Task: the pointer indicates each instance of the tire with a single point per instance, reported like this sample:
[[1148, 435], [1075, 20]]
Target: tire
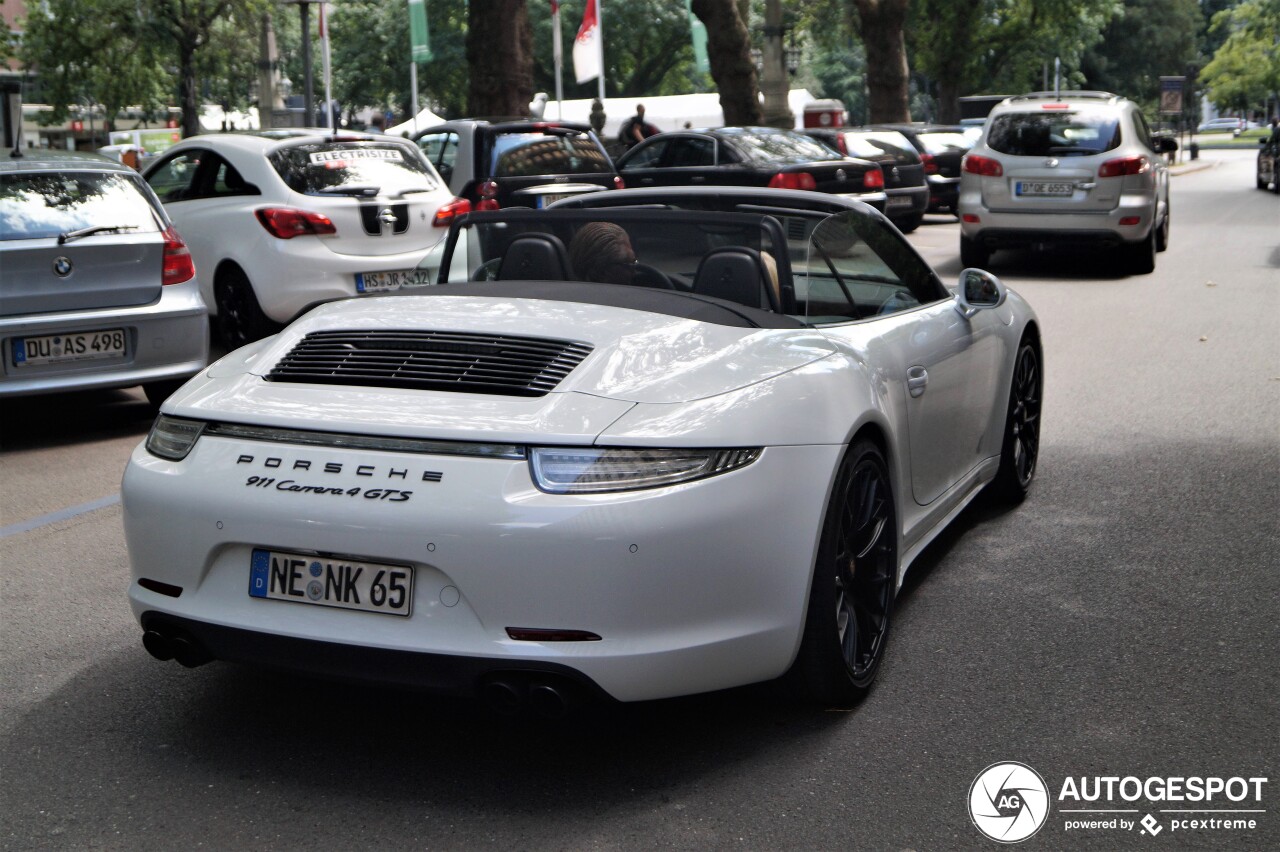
[[973, 254], [158, 392], [240, 317], [1162, 235], [907, 224], [1140, 258], [854, 580], [1020, 449]]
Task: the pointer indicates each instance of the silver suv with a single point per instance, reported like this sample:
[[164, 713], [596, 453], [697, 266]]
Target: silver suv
[[1066, 169]]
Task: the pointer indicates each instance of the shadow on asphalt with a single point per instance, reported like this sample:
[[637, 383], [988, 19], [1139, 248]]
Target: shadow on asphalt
[[80, 417]]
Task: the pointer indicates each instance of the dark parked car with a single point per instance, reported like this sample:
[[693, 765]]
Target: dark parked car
[[1269, 164], [904, 178], [518, 163], [941, 147], [750, 156]]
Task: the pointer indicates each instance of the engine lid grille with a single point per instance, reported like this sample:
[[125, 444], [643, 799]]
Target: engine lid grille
[[460, 362]]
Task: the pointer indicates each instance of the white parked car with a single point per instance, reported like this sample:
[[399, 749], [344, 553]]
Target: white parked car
[[713, 471], [282, 221], [1066, 169]]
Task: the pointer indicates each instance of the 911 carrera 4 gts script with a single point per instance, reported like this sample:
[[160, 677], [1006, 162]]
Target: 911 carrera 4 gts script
[[391, 495]]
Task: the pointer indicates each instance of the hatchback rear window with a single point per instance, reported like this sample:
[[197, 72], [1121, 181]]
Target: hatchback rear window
[[38, 205], [1056, 134], [352, 168], [551, 152], [769, 149], [945, 142]]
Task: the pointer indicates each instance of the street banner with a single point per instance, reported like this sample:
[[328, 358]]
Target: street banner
[[557, 43], [698, 33], [1171, 95], [588, 47], [419, 36]]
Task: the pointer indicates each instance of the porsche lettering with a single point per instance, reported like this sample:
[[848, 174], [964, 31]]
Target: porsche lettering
[[366, 470]]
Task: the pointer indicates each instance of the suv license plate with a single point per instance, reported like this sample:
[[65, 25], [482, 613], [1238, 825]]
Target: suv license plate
[[331, 581], [377, 282], [1030, 187], [84, 346]]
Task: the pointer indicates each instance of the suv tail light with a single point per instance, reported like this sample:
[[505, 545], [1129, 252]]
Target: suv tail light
[[488, 192], [1124, 166], [450, 211], [873, 179], [177, 266], [618, 182], [793, 180], [285, 223], [985, 166], [930, 164]]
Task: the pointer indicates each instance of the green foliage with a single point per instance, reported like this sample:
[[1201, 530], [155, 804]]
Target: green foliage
[[1245, 70], [1148, 39], [92, 52]]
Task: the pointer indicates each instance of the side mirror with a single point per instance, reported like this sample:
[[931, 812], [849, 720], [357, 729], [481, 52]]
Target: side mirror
[[979, 290]]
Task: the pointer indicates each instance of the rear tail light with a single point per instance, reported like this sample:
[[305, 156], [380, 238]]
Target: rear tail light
[[489, 189], [448, 212], [618, 182], [873, 179], [930, 164], [793, 180], [1124, 166], [285, 223], [178, 266], [488, 204], [841, 145], [985, 166]]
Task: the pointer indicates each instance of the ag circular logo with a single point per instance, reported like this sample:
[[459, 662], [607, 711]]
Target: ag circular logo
[[1008, 802]]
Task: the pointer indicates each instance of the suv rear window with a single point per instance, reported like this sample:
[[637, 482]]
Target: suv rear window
[[38, 205], [1056, 134], [352, 168], [547, 152]]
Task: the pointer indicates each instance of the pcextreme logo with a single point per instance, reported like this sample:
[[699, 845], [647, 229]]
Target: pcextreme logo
[[1009, 802]]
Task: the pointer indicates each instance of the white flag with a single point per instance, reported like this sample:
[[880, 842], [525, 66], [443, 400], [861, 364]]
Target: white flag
[[586, 47]]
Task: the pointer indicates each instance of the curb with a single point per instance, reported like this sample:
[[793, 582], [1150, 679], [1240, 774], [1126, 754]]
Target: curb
[[1192, 166]]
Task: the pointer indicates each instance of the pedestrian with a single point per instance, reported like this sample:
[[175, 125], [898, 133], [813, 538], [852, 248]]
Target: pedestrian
[[636, 129]]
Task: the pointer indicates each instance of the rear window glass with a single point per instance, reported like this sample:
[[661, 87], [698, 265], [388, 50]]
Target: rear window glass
[[1056, 134], [779, 148], [945, 142], [352, 168], [547, 153], [38, 205], [878, 144]]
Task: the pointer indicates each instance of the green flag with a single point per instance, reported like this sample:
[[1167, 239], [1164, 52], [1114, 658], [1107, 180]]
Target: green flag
[[698, 32], [419, 36]]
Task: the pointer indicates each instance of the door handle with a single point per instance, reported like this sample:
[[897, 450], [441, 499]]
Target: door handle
[[917, 379], [698, 179]]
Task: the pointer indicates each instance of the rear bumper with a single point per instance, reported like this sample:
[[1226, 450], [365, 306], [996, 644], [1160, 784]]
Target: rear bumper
[[167, 340], [906, 202], [944, 193]]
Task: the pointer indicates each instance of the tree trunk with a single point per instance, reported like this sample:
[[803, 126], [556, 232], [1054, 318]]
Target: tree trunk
[[882, 23], [500, 56], [729, 52], [188, 89]]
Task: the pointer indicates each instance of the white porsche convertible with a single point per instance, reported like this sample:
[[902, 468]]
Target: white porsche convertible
[[712, 469]]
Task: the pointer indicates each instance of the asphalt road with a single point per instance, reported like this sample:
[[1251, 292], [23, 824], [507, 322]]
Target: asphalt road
[[1122, 622]]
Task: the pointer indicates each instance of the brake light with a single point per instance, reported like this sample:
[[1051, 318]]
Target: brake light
[[618, 182], [177, 266], [841, 145], [1124, 166], [984, 166], [448, 212], [1055, 106], [285, 223], [793, 180], [873, 179], [488, 204], [488, 189], [930, 164]]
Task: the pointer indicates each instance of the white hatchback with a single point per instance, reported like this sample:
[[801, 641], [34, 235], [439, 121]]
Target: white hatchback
[[280, 222]]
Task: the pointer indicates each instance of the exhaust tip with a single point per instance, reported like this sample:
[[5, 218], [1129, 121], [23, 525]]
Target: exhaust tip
[[503, 697], [549, 701], [188, 653], [158, 645]]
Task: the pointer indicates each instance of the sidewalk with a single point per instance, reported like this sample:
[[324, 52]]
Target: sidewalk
[[1188, 166]]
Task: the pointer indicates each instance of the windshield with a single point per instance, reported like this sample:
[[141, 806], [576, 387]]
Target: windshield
[[1057, 134], [36, 205], [364, 168], [550, 152]]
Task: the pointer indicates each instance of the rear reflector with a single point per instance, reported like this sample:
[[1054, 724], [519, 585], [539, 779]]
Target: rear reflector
[[285, 223], [448, 212], [793, 180], [542, 634], [1130, 220], [985, 166], [178, 266], [970, 218], [1124, 166]]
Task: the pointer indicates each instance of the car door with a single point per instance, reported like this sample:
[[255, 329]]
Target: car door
[[441, 150], [943, 367], [692, 161], [642, 165]]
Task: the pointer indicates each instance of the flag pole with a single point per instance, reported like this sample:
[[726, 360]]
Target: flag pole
[[328, 70], [600, 43], [558, 47]]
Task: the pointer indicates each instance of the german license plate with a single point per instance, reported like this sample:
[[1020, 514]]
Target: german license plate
[[896, 202], [1036, 187], [548, 200], [331, 581], [377, 282], [83, 346]]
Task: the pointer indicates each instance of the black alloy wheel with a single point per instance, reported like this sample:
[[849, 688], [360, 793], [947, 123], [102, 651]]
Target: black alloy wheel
[[851, 597], [240, 318], [1140, 257], [1021, 448], [1162, 236]]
